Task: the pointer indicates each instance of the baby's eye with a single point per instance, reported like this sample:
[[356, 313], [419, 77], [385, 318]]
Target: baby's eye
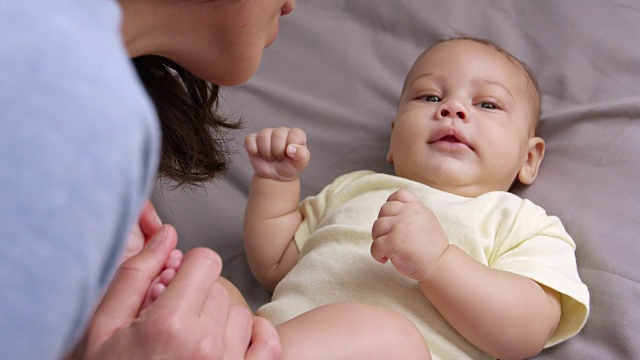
[[487, 105], [431, 98]]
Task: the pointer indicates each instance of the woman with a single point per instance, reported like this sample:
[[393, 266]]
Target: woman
[[80, 145]]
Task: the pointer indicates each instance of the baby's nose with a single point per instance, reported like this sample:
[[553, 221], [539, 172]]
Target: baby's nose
[[460, 113]]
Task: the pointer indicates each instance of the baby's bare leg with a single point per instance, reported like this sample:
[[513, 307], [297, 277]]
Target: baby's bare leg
[[351, 331], [235, 297]]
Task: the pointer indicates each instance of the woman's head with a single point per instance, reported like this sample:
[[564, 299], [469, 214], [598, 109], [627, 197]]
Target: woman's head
[[220, 41], [183, 50]]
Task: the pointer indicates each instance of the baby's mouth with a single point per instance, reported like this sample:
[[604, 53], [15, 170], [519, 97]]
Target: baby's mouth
[[451, 136]]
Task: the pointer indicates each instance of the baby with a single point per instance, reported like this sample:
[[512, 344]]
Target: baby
[[481, 272]]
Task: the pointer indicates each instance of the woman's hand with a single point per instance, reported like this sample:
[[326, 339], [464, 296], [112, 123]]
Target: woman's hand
[[148, 224], [191, 319]]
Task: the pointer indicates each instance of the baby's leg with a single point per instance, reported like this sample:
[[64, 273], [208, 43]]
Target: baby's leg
[[235, 296], [351, 331]]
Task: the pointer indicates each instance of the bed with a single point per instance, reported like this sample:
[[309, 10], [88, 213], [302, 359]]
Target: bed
[[337, 69]]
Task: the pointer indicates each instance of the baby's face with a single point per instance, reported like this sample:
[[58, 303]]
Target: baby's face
[[464, 122]]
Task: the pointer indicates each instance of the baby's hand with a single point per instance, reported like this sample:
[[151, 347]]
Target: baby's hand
[[409, 234], [280, 154]]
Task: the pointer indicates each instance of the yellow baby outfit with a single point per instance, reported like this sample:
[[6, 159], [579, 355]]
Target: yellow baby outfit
[[498, 229]]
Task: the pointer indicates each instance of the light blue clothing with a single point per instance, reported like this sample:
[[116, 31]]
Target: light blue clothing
[[79, 146]]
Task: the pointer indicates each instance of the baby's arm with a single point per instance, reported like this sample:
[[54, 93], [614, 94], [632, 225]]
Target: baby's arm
[[506, 315], [272, 217]]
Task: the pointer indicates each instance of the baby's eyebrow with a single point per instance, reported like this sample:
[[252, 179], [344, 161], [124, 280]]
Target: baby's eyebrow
[[487, 82], [434, 76]]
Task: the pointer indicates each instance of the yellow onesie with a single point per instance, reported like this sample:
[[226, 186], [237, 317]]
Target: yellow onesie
[[498, 229]]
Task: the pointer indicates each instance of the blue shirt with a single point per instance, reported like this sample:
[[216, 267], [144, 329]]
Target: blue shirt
[[79, 146]]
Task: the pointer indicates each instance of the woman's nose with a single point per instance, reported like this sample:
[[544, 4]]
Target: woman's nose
[[452, 109]]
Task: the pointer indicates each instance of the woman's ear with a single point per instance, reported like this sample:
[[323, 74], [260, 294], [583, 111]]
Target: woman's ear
[[389, 155], [535, 152]]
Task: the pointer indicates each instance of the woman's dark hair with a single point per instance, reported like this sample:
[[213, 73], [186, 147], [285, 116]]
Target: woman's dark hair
[[195, 138]]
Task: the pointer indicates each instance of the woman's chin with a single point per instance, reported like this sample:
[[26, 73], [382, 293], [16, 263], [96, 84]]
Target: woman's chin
[[273, 37]]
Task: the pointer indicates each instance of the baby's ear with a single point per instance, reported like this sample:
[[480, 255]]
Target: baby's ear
[[535, 152], [389, 155]]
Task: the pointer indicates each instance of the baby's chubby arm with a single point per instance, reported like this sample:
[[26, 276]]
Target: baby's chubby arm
[[271, 217], [504, 314]]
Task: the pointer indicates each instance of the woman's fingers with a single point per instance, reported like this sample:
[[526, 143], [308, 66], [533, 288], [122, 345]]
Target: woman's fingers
[[192, 283], [149, 220], [265, 343], [238, 332], [127, 291], [192, 317]]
